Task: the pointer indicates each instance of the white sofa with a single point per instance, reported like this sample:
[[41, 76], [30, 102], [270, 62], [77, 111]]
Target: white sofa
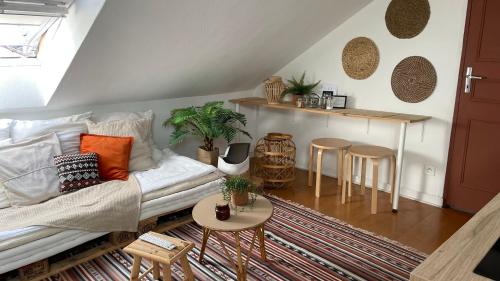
[[176, 183]]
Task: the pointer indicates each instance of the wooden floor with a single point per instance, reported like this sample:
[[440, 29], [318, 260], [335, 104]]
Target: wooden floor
[[418, 225]]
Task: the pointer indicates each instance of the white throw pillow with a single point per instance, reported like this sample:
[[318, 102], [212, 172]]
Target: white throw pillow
[[68, 130], [5, 128], [27, 170], [141, 156], [114, 116]]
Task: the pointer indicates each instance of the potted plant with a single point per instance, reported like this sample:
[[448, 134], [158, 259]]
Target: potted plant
[[299, 88], [207, 122], [237, 189]]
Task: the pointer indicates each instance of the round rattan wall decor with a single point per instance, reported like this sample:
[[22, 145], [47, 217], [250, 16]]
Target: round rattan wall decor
[[407, 18], [360, 58], [413, 79]]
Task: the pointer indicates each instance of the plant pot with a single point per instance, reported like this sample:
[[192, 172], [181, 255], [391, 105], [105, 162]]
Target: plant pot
[[295, 97], [240, 198], [208, 157]]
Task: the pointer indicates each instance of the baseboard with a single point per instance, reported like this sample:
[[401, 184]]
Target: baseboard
[[409, 193]]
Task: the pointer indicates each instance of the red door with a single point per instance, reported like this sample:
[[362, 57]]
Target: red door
[[473, 175]]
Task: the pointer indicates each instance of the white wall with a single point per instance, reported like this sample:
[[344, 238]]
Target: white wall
[[427, 144], [161, 109]]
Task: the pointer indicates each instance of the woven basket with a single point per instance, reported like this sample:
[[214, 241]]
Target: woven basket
[[275, 160], [413, 79], [274, 87], [360, 58], [407, 18]]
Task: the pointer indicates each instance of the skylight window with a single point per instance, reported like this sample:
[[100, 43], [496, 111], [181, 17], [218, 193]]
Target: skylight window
[[20, 36], [23, 24]]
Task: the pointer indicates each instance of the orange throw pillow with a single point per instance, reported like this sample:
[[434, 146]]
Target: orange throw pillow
[[113, 152]]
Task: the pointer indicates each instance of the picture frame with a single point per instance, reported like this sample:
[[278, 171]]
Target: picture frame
[[339, 102], [327, 94]]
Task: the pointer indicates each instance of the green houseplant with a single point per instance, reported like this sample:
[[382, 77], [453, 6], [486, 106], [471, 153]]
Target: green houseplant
[[237, 189], [208, 122], [299, 88]]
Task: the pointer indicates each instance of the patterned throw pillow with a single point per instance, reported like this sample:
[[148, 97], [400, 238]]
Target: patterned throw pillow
[[77, 171]]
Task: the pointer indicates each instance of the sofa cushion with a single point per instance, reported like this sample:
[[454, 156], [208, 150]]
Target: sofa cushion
[[77, 171], [27, 170], [5, 142], [68, 130], [114, 116], [5, 128], [141, 157], [4, 201], [113, 153]]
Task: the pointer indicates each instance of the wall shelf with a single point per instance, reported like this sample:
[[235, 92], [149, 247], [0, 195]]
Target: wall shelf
[[350, 112]]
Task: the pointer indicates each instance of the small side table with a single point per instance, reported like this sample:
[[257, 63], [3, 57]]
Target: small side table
[[140, 249], [253, 218]]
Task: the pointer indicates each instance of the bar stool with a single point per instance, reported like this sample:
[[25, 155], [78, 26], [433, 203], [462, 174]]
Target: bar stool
[[326, 144], [375, 154]]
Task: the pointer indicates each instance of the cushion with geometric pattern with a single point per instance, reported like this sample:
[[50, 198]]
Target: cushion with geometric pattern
[[77, 171]]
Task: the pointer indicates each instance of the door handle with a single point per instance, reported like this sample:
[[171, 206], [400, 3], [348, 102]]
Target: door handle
[[468, 79]]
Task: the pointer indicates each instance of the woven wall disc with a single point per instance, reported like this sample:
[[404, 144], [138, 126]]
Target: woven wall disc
[[360, 58], [413, 79], [407, 18]]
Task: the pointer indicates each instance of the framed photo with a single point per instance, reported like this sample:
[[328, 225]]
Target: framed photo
[[339, 102], [327, 94]]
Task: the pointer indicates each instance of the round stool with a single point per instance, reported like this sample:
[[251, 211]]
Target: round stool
[[375, 154], [326, 144]]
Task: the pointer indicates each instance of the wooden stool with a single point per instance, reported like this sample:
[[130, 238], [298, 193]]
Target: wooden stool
[[326, 144], [158, 255], [374, 153]]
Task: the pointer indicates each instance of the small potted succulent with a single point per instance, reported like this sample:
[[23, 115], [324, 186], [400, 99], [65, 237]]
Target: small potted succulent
[[240, 191], [299, 88]]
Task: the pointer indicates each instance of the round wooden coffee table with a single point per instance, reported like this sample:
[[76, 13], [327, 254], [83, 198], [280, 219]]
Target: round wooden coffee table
[[252, 218]]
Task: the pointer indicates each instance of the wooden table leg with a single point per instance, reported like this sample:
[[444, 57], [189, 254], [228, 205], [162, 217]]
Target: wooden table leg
[[156, 270], [319, 165], [262, 244], [188, 273], [206, 235], [136, 268], [349, 172], [340, 165], [363, 175], [167, 272], [310, 166], [345, 178], [375, 186], [239, 259]]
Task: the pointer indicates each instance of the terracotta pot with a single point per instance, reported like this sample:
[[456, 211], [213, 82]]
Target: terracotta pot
[[208, 157], [295, 97], [240, 198]]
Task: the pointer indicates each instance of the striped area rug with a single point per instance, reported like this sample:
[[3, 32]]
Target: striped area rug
[[301, 244]]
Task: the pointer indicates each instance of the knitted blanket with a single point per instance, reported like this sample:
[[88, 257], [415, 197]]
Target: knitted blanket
[[110, 206]]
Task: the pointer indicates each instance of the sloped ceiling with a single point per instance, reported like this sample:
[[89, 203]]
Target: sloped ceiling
[[142, 50]]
